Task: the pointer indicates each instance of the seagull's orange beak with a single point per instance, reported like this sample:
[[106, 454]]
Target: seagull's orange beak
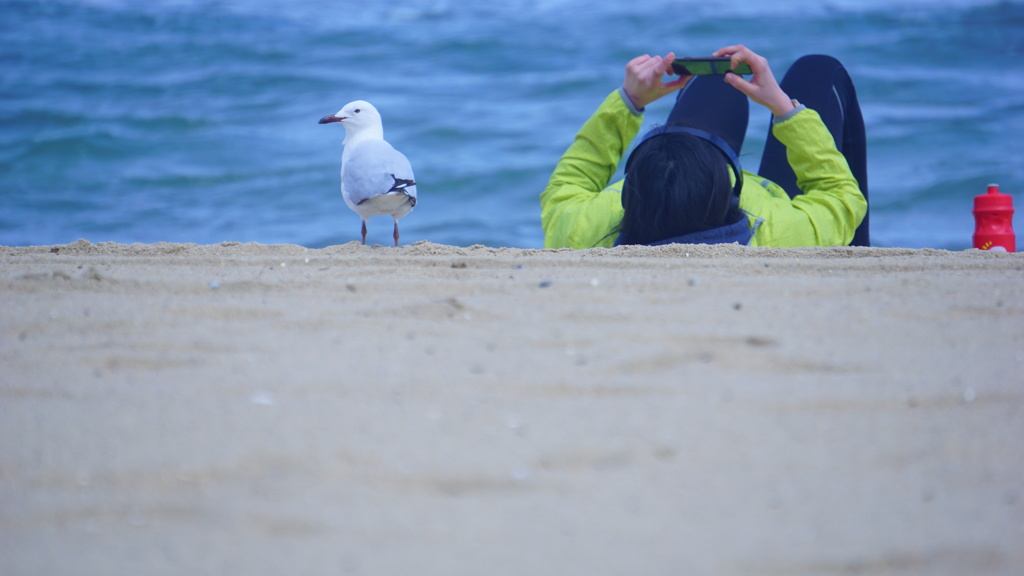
[[329, 119]]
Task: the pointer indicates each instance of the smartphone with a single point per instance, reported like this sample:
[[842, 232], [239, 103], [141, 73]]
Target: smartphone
[[707, 66]]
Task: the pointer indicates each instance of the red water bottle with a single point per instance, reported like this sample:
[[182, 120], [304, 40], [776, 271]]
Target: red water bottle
[[993, 221]]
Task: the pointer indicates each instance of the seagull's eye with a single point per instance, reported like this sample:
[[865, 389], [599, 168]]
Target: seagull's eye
[[358, 110]]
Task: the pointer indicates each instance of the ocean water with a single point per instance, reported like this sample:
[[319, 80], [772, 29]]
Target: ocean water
[[196, 120]]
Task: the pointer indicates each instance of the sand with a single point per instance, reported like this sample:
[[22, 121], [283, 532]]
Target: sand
[[432, 410]]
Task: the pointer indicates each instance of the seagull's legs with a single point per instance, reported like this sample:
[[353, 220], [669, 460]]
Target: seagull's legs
[[396, 232], [364, 232]]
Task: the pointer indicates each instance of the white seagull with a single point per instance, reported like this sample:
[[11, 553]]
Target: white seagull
[[376, 179]]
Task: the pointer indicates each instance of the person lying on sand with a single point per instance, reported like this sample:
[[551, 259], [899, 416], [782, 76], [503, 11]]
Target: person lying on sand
[[683, 180]]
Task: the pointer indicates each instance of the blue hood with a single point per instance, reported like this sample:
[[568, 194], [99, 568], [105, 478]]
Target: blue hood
[[739, 232]]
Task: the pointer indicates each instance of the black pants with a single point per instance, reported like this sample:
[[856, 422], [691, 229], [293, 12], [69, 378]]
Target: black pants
[[818, 82]]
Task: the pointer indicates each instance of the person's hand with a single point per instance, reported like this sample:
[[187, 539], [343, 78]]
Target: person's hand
[[762, 87], [644, 79]]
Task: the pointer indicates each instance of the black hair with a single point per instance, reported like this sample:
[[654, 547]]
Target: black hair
[[677, 184]]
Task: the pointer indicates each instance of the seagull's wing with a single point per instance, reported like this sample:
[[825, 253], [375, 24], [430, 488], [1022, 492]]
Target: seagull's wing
[[376, 168]]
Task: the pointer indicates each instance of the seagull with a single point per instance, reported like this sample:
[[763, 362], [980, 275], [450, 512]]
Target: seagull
[[376, 179]]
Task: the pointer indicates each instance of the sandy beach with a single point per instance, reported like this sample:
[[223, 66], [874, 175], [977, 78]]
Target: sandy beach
[[432, 410]]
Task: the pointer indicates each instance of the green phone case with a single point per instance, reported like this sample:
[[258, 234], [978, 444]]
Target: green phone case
[[707, 66]]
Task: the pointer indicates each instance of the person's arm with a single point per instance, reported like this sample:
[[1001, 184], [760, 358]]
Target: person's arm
[[576, 209], [762, 86], [831, 206]]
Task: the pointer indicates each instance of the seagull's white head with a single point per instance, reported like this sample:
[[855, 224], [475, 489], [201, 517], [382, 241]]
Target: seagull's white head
[[359, 117]]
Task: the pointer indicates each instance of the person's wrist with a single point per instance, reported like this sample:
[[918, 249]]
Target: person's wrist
[[638, 104], [783, 105]]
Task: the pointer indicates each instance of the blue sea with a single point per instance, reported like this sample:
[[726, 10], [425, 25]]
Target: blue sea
[[196, 120]]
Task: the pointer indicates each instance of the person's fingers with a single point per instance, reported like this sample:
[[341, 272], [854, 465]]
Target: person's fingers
[[728, 50], [676, 84], [740, 83], [638, 60], [637, 65], [736, 59], [740, 53], [651, 66], [645, 78], [666, 63], [758, 64]]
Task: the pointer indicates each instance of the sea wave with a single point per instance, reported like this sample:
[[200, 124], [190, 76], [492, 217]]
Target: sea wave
[[196, 121]]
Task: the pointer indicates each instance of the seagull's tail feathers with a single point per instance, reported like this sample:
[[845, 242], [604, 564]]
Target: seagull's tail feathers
[[401, 184]]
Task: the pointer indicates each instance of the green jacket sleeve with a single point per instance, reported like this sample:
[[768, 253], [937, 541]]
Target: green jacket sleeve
[[578, 209], [831, 206]]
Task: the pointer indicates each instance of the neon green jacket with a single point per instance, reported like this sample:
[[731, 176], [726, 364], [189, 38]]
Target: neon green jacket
[[579, 209]]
